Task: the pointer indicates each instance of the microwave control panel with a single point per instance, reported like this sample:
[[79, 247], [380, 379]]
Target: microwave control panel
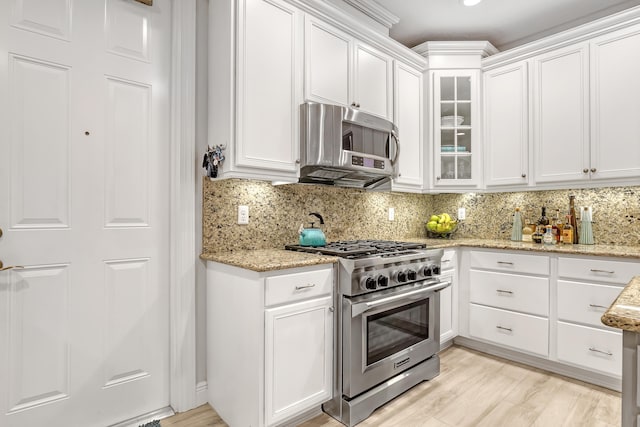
[[367, 162]]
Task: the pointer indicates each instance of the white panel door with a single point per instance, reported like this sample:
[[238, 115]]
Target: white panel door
[[373, 81], [408, 112], [561, 115], [84, 125], [615, 90], [506, 125]]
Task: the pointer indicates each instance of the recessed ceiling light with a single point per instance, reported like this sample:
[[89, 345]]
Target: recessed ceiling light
[[470, 2]]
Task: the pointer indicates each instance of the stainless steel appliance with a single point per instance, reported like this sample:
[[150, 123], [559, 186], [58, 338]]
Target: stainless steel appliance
[[388, 325], [345, 147]]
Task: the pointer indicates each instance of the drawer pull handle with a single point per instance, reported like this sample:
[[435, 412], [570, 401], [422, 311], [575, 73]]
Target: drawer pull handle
[[597, 306], [502, 291], [504, 329], [446, 260], [595, 270], [595, 350], [301, 287], [505, 262]]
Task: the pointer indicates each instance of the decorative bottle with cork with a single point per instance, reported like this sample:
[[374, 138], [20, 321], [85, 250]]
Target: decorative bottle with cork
[[516, 230], [567, 232]]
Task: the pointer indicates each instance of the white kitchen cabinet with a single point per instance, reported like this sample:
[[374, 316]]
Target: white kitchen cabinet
[[408, 117], [256, 59], [298, 357], [560, 114], [506, 125], [344, 71], [456, 128], [449, 299], [615, 90], [270, 341], [508, 297]]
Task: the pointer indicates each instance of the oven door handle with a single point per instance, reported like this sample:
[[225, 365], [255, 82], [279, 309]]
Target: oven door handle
[[358, 309]]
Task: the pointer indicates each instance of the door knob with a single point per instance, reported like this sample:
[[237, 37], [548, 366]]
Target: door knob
[[3, 268]]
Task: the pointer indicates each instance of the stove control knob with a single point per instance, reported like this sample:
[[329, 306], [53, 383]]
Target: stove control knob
[[402, 276], [368, 283], [436, 270], [427, 271], [411, 275], [383, 280]]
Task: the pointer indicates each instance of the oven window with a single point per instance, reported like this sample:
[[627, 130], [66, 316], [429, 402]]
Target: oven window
[[392, 331]]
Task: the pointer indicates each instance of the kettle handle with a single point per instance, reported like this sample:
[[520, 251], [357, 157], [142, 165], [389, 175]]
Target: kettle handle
[[318, 216]]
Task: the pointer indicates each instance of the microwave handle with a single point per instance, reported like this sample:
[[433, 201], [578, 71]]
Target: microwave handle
[[358, 309], [397, 150]]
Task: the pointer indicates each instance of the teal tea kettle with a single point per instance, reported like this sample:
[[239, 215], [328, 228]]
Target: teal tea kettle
[[312, 236]]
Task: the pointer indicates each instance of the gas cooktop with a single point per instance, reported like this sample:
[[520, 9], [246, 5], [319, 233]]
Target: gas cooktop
[[360, 248]]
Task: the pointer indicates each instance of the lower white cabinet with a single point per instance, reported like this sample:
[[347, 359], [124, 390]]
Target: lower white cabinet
[[270, 341], [298, 353], [449, 299], [516, 330], [590, 348]]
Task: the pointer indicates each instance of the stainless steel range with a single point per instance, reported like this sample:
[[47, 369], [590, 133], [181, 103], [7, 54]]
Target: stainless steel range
[[388, 322]]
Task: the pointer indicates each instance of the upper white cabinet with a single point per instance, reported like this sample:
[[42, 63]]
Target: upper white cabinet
[[342, 70], [256, 86], [408, 117], [456, 128], [560, 118], [615, 91], [506, 141]]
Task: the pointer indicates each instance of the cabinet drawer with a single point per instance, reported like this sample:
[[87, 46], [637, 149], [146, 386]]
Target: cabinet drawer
[[583, 302], [590, 348], [519, 331], [512, 292], [598, 270], [449, 260], [504, 261], [297, 286]]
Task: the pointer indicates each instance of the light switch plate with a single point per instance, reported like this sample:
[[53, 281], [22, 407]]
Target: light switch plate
[[243, 215], [462, 213], [392, 214]]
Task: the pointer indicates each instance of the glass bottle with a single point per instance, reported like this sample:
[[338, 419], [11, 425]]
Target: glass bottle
[[586, 229], [527, 233], [544, 221], [567, 232], [558, 226], [516, 229], [548, 238], [572, 218]]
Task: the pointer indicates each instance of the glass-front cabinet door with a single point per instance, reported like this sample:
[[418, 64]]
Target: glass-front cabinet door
[[456, 128]]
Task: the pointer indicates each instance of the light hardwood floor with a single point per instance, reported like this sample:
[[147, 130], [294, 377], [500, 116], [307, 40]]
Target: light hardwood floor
[[475, 389]]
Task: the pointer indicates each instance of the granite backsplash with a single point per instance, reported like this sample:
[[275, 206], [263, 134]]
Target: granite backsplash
[[276, 213]]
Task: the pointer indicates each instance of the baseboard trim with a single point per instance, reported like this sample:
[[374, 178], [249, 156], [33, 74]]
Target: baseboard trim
[[201, 393], [146, 418], [537, 362]]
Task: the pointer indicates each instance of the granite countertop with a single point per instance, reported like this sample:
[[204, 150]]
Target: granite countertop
[[624, 313], [279, 259], [268, 259]]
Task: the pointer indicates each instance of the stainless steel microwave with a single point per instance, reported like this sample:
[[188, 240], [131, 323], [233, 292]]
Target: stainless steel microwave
[[346, 147]]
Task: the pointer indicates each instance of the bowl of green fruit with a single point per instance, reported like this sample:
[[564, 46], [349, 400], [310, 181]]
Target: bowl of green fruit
[[441, 226]]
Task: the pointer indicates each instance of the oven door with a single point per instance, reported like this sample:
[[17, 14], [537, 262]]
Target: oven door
[[388, 332]]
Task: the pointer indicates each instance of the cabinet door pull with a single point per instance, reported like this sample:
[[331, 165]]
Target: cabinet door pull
[[595, 270], [300, 287], [505, 262], [331, 309], [593, 170], [524, 175], [502, 291], [597, 306], [595, 350], [585, 170], [503, 328]]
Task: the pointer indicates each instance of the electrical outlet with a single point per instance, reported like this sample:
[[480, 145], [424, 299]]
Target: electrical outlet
[[243, 215], [462, 213], [392, 214]]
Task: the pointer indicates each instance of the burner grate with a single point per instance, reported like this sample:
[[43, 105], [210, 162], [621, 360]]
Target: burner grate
[[360, 248]]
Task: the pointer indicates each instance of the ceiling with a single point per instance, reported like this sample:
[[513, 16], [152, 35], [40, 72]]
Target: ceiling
[[504, 23]]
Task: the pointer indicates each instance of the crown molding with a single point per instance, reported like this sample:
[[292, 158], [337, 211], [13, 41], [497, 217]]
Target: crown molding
[[431, 48], [626, 18], [375, 11]]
